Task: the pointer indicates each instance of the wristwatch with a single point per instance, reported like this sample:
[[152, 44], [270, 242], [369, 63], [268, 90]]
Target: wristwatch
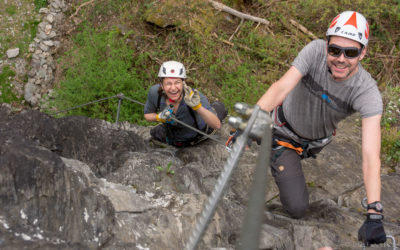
[[377, 206], [375, 216]]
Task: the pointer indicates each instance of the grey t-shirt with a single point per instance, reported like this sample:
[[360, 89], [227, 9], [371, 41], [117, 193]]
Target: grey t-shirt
[[180, 132], [318, 102]]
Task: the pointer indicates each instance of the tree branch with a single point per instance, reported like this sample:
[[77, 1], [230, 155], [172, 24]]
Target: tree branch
[[303, 29], [80, 6], [222, 7]]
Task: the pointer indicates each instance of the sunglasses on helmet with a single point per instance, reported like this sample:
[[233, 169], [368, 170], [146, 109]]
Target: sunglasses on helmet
[[349, 52]]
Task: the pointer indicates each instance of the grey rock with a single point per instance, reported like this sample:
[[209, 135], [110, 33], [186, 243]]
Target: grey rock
[[43, 47], [30, 90], [42, 35], [44, 10], [48, 43], [48, 28], [88, 184], [52, 34], [20, 67], [50, 18], [12, 53]]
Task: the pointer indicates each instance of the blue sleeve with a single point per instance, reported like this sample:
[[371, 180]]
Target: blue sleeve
[[205, 103], [152, 98]]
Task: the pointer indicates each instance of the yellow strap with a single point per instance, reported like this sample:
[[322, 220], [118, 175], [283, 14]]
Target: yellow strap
[[299, 150], [197, 106]]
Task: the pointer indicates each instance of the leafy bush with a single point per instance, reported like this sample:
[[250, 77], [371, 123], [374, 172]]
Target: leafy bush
[[100, 66], [391, 146], [390, 126]]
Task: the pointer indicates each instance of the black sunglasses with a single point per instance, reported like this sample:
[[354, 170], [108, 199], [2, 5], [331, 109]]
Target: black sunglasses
[[349, 52]]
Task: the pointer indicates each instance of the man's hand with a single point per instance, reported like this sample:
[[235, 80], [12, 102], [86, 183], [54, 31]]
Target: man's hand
[[371, 231], [192, 97], [164, 116]]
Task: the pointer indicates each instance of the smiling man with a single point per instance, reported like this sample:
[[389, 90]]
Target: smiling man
[[325, 84]]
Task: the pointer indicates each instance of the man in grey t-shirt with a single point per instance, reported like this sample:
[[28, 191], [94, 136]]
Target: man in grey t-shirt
[[325, 84]]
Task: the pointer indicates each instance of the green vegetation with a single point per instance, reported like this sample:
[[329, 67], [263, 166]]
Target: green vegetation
[[390, 127], [115, 50], [311, 184], [100, 67], [18, 26], [31, 27], [166, 169], [11, 10], [40, 4], [6, 91]]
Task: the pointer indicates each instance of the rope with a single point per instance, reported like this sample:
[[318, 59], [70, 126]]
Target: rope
[[201, 132], [129, 99], [83, 105]]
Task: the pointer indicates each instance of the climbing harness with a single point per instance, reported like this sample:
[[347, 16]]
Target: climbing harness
[[299, 150], [280, 144]]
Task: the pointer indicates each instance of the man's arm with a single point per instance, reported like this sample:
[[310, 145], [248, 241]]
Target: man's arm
[[278, 91], [371, 164]]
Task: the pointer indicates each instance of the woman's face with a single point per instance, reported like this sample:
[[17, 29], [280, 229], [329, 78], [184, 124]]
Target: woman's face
[[173, 87]]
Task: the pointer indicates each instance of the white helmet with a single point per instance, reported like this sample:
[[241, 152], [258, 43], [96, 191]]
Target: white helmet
[[172, 69], [351, 25]]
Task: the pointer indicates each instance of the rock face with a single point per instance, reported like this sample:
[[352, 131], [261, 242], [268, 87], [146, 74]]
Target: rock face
[[80, 183]]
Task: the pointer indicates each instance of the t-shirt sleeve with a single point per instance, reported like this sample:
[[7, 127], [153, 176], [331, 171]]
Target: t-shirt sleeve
[[205, 103], [308, 55], [369, 103], [151, 102]]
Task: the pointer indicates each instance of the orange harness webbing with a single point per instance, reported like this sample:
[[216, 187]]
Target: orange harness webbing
[[299, 150]]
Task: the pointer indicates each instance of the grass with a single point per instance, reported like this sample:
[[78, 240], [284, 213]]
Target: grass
[[11, 10], [17, 27], [40, 4], [100, 65], [7, 94]]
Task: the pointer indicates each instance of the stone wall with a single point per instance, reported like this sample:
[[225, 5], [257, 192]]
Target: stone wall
[[43, 48]]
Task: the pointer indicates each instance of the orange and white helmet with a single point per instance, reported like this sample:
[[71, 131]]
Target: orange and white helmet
[[351, 25], [172, 69]]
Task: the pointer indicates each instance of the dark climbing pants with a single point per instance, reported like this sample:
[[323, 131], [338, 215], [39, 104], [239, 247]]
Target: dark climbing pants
[[289, 177], [290, 180]]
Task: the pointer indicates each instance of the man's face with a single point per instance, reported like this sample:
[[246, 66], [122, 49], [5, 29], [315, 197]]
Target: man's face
[[172, 87], [342, 67]]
